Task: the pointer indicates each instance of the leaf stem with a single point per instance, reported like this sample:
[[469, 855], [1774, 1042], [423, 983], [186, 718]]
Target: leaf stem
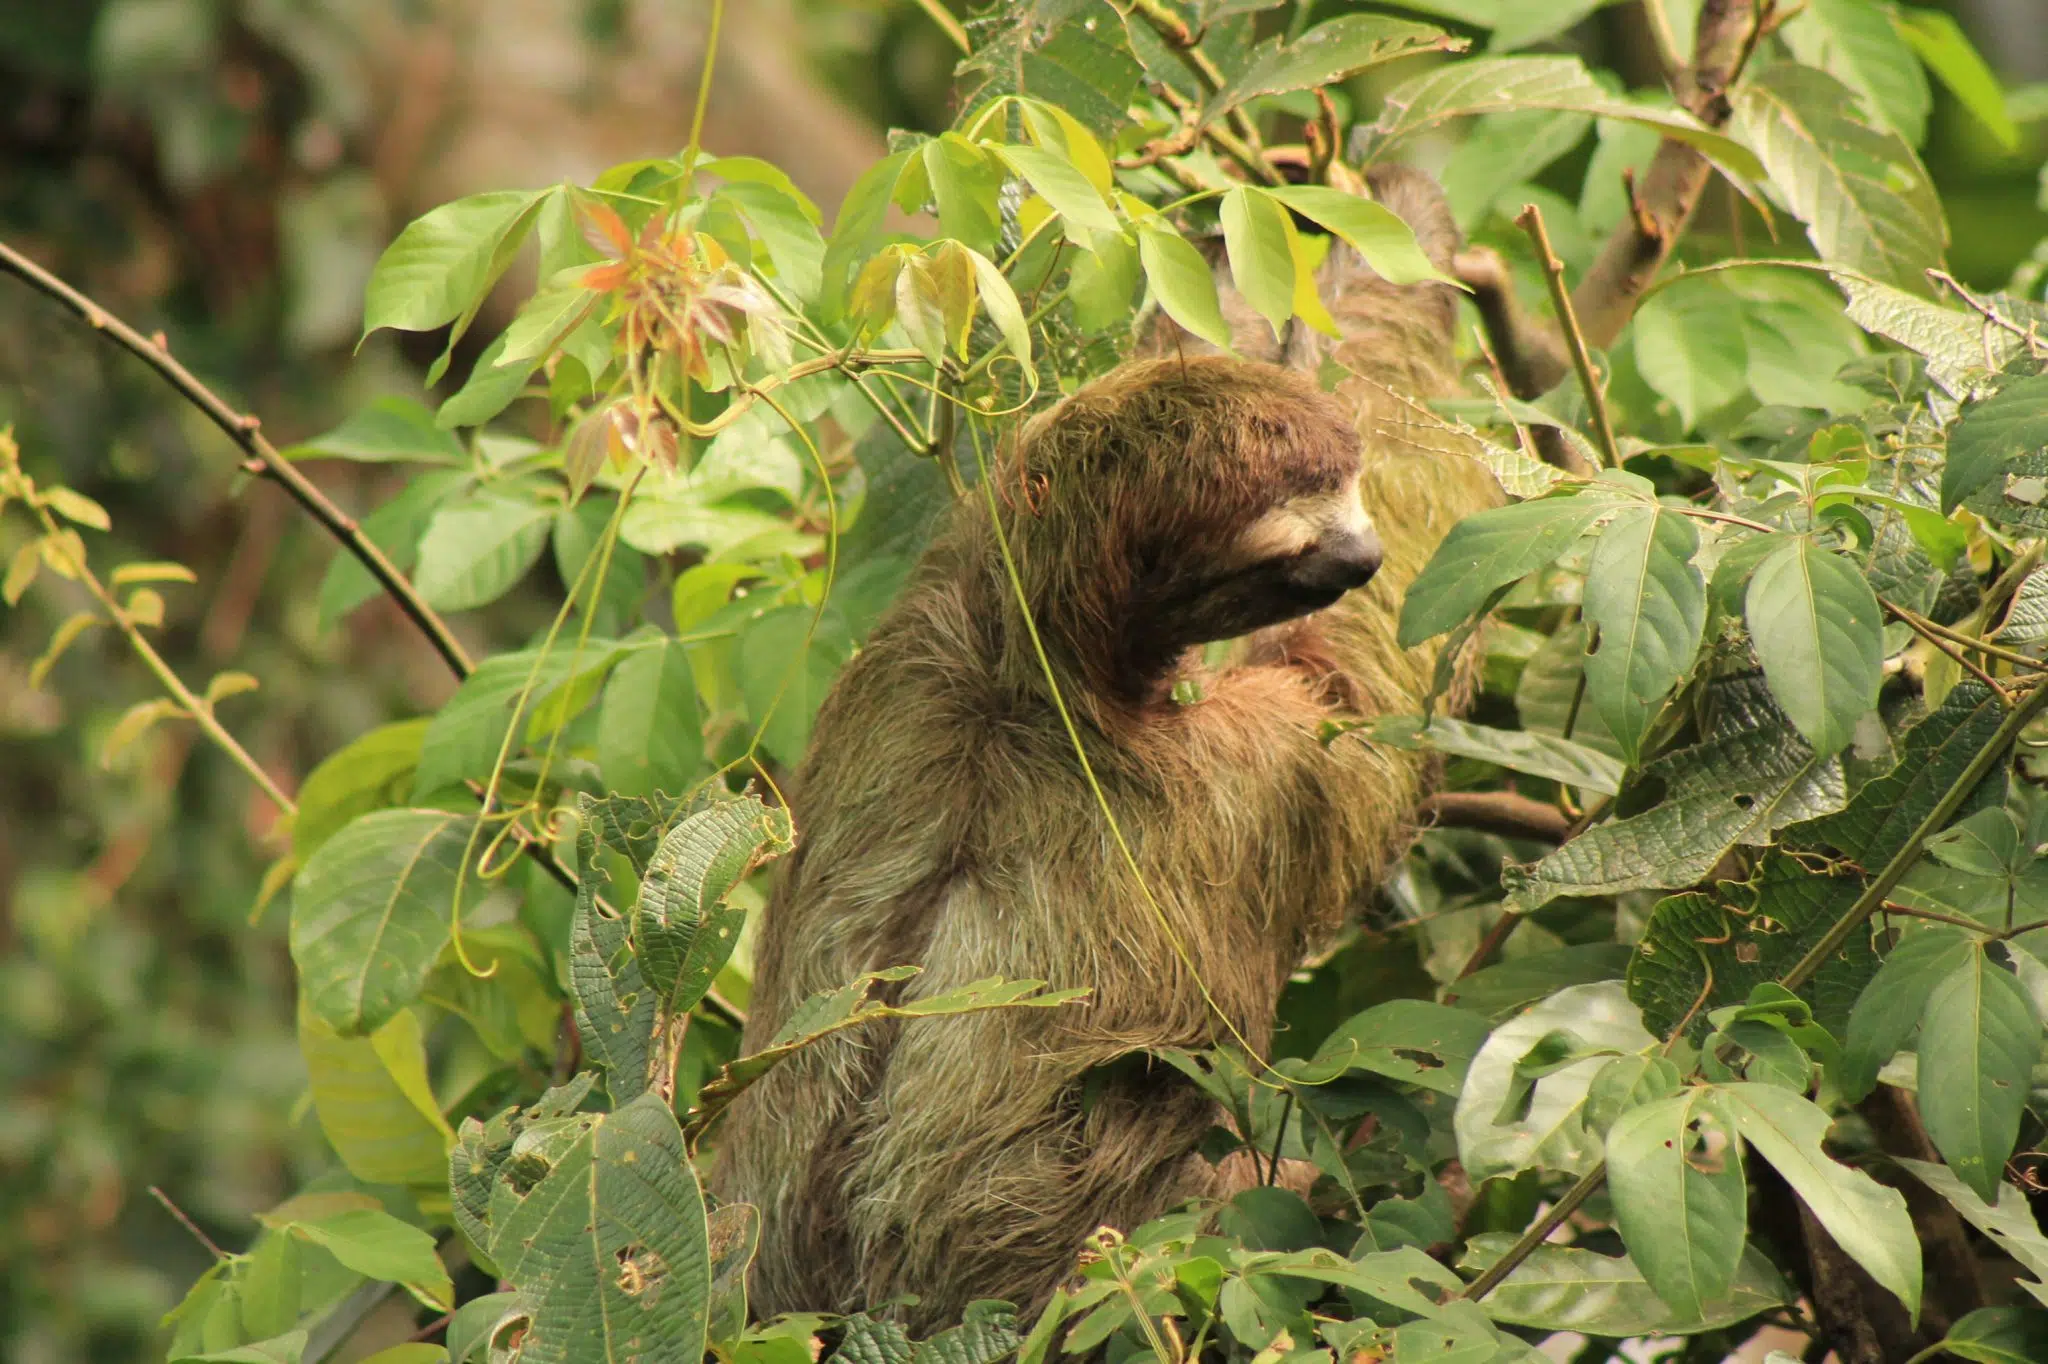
[[1930, 629], [948, 25], [196, 709], [1537, 1234], [1530, 220], [703, 91], [243, 430]]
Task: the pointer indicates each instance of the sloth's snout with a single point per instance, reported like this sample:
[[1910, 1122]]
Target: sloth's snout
[[1341, 560]]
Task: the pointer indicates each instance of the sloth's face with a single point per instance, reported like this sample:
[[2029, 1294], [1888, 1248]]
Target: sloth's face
[[1299, 557]]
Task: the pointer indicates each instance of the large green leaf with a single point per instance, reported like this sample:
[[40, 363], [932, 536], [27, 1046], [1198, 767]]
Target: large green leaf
[[2010, 1222], [371, 911], [1681, 1202], [1979, 1039], [1886, 810], [1701, 952], [1518, 750], [1819, 635], [1999, 1335], [1564, 1288], [1650, 605], [374, 1102], [1491, 85], [1866, 200], [1992, 435], [1867, 1220], [786, 665], [1374, 231], [464, 738], [1182, 282], [477, 547], [1891, 1006], [1748, 778], [1255, 236], [1327, 54], [441, 266], [858, 225], [395, 529], [1411, 1040], [368, 773], [649, 734], [378, 1246], [1060, 183], [683, 927], [615, 1008], [608, 1250], [389, 430], [1938, 40], [1552, 1133], [1487, 551], [1857, 43]]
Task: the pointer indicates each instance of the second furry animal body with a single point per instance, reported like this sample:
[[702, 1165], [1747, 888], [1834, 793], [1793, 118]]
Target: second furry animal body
[[944, 820]]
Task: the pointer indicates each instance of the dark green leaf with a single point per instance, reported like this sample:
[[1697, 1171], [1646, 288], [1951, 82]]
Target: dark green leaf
[[1890, 1007], [1327, 54], [1992, 434], [369, 773], [683, 929], [1650, 605], [649, 734], [1410, 1040], [1979, 1039], [785, 668], [467, 733], [371, 911], [1820, 638], [1681, 1202], [1486, 551], [395, 529]]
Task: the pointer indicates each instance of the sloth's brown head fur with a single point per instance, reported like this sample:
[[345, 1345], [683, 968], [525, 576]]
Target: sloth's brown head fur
[[1175, 502]]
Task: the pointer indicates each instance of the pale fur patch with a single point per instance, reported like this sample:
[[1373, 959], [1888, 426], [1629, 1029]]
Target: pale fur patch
[[1300, 522]]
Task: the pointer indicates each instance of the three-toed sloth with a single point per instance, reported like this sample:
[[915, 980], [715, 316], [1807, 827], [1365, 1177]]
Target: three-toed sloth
[[945, 820]]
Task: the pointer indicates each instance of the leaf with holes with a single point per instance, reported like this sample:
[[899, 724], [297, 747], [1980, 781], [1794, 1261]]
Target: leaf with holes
[[1681, 1202], [683, 928]]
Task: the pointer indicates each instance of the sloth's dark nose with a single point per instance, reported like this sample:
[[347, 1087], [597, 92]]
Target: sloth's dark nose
[[1341, 560]]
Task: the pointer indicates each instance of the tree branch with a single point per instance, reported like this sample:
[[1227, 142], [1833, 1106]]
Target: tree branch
[[1530, 220], [1496, 812], [243, 430]]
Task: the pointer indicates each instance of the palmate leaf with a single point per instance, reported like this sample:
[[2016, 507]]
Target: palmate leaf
[[608, 1250], [850, 1006], [1866, 200], [1750, 777], [1564, 1288], [1701, 952]]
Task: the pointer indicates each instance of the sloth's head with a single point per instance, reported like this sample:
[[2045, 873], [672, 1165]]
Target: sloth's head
[[1178, 502]]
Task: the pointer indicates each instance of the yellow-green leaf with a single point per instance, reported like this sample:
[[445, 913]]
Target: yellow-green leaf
[[145, 607], [21, 571], [152, 571], [70, 630], [76, 507], [135, 722]]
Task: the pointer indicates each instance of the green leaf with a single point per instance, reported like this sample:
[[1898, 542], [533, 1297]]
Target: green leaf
[[1539, 755], [1954, 343], [1501, 990], [1991, 435], [1855, 42], [473, 1325], [395, 529], [2010, 1223], [1749, 777], [785, 221], [1674, 1170], [1183, 283], [476, 548], [1891, 1006], [608, 1251], [374, 1103], [1492, 85], [1564, 1288], [1940, 42], [370, 913], [834, 1011], [465, 735], [999, 300], [1487, 551], [288, 1348], [1866, 200], [1999, 1335], [1060, 183], [1327, 54], [542, 322], [615, 1009], [1884, 813], [1819, 635], [1979, 1039], [649, 734], [1650, 605], [378, 1246], [1867, 1220], [1409, 1040], [389, 430], [1688, 351], [785, 668], [684, 928], [1552, 1134], [1702, 952], [1625, 1084], [270, 1287], [368, 773], [1374, 231], [858, 224], [966, 182], [1255, 232], [443, 264]]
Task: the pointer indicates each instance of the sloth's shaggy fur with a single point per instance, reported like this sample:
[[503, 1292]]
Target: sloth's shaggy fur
[[943, 819]]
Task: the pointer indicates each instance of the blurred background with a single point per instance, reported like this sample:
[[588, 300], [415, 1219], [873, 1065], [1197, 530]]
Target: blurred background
[[227, 171]]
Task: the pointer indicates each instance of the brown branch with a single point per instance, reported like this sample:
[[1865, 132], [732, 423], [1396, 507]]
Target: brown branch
[[1496, 812], [243, 430], [1663, 202], [1530, 220]]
